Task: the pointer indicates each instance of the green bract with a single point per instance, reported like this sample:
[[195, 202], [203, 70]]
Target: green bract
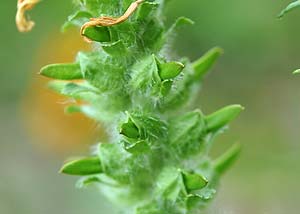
[[156, 160]]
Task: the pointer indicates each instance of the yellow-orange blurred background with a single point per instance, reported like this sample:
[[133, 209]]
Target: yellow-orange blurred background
[[260, 53]]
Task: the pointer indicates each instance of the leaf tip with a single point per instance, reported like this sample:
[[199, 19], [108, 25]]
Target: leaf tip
[[296, 71], [226, 160]]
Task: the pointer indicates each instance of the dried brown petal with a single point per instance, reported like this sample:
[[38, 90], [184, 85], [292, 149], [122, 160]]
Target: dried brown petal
[[23, 24], [109, 21]]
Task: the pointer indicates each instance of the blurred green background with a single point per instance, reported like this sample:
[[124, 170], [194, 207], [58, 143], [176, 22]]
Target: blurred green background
[[260, 53]]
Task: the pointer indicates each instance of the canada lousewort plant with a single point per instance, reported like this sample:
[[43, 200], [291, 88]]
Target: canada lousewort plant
[[155, 157]]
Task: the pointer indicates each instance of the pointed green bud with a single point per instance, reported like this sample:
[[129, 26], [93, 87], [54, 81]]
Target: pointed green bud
[[84, 166], [222, 117], [97, 34], [297, 71], [169, 70], [130, 130], [202, 65], [225, 161], [70, 71], [193, 181], [289, 8]]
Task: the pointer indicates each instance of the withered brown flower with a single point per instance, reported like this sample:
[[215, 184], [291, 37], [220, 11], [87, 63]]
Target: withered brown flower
[[23, 23], [106, 21]]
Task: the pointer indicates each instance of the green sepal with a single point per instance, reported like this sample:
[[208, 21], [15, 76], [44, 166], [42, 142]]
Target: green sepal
[[87, 110], [166, 87], [289, 8], [226, 160], [57, 86], [107, 77], [186, 133], [203, 64], [139, 147], [97, 34], [72, 89], [145, 77], [193, 181], [169, 70], [153, 37], [70, 71], [146, 10], [84, 166], [86, 181], [129, 129], [115, 48], [180, 22], [197, 201], [80, 91], [222, 117], [170, 184], [149, 127], [193, 200]]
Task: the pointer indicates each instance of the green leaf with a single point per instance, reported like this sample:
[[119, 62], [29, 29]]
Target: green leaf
[[97, 34], [225, 161], [289, 8], [84, 166], [62, 71], [193, 181], [222, 117], [202, 65]]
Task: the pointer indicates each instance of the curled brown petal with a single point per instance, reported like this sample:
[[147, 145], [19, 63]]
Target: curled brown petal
[[23, 24], [109, 21]]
